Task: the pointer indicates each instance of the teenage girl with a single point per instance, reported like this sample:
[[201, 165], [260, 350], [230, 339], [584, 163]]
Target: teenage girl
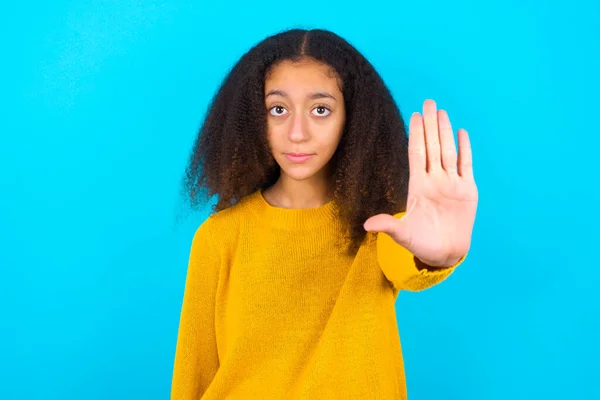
[[326, 209]]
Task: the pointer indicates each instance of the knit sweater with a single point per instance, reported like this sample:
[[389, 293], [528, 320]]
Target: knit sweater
[[274, 308]]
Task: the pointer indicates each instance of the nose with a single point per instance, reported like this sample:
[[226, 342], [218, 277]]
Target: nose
[[298, 131]]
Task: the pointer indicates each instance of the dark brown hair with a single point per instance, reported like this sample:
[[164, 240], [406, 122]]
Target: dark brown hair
[[231, 157]]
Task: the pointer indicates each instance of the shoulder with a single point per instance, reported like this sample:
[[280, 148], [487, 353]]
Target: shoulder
[[223, 226]]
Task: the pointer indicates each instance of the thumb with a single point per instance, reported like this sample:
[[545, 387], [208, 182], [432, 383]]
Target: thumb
[[393, 225]]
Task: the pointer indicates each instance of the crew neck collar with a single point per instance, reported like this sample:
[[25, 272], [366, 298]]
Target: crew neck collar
[[292, 218]]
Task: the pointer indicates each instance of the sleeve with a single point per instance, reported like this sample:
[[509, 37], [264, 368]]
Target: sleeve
[[400, 268], [196, 359]]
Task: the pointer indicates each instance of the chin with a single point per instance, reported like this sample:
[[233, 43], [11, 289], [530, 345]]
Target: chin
[[299, 174]]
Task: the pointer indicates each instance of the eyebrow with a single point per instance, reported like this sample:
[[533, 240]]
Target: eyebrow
[[312, 96]]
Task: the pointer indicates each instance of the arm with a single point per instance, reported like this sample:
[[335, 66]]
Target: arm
[[196, 358], [405, 271]]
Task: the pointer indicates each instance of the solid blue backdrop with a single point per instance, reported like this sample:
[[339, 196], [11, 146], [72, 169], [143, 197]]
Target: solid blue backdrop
[[101, 101]]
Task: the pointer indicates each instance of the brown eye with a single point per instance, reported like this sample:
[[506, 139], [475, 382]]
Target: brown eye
[[322, 111], [279, 110]]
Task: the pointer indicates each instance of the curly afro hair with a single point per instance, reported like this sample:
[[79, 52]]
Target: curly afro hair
[[231, 157]]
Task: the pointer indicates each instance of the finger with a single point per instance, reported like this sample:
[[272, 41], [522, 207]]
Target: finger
[[465, 156], [432, 136], [447, 143], [417, 156], [391, 225]]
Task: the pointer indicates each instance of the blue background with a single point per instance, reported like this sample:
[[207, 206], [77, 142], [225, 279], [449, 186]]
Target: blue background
[[100, 103]]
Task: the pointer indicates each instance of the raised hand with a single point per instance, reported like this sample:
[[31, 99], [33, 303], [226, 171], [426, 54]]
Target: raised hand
[[442, 194]]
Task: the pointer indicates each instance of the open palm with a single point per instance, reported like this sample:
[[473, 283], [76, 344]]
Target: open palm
[[442, 194]]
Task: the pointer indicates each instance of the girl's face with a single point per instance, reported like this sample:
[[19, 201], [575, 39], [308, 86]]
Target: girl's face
[[305, 115]]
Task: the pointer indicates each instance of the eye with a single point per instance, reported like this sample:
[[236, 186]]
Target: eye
[[322, 111], [278, 109]]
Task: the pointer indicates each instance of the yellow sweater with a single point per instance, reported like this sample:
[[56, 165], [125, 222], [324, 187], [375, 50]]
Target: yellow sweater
[[274, 309]]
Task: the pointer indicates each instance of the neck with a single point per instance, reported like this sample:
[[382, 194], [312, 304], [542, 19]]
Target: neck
[[288, 193]]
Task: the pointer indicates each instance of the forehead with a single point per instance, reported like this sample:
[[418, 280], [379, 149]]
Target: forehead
[[307, 73]]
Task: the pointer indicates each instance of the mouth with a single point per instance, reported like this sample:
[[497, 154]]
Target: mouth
[[298, 157]]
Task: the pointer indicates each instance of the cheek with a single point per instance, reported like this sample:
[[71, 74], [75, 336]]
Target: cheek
[[335, 135], [328, 145], [276, 141], [271, 132]]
